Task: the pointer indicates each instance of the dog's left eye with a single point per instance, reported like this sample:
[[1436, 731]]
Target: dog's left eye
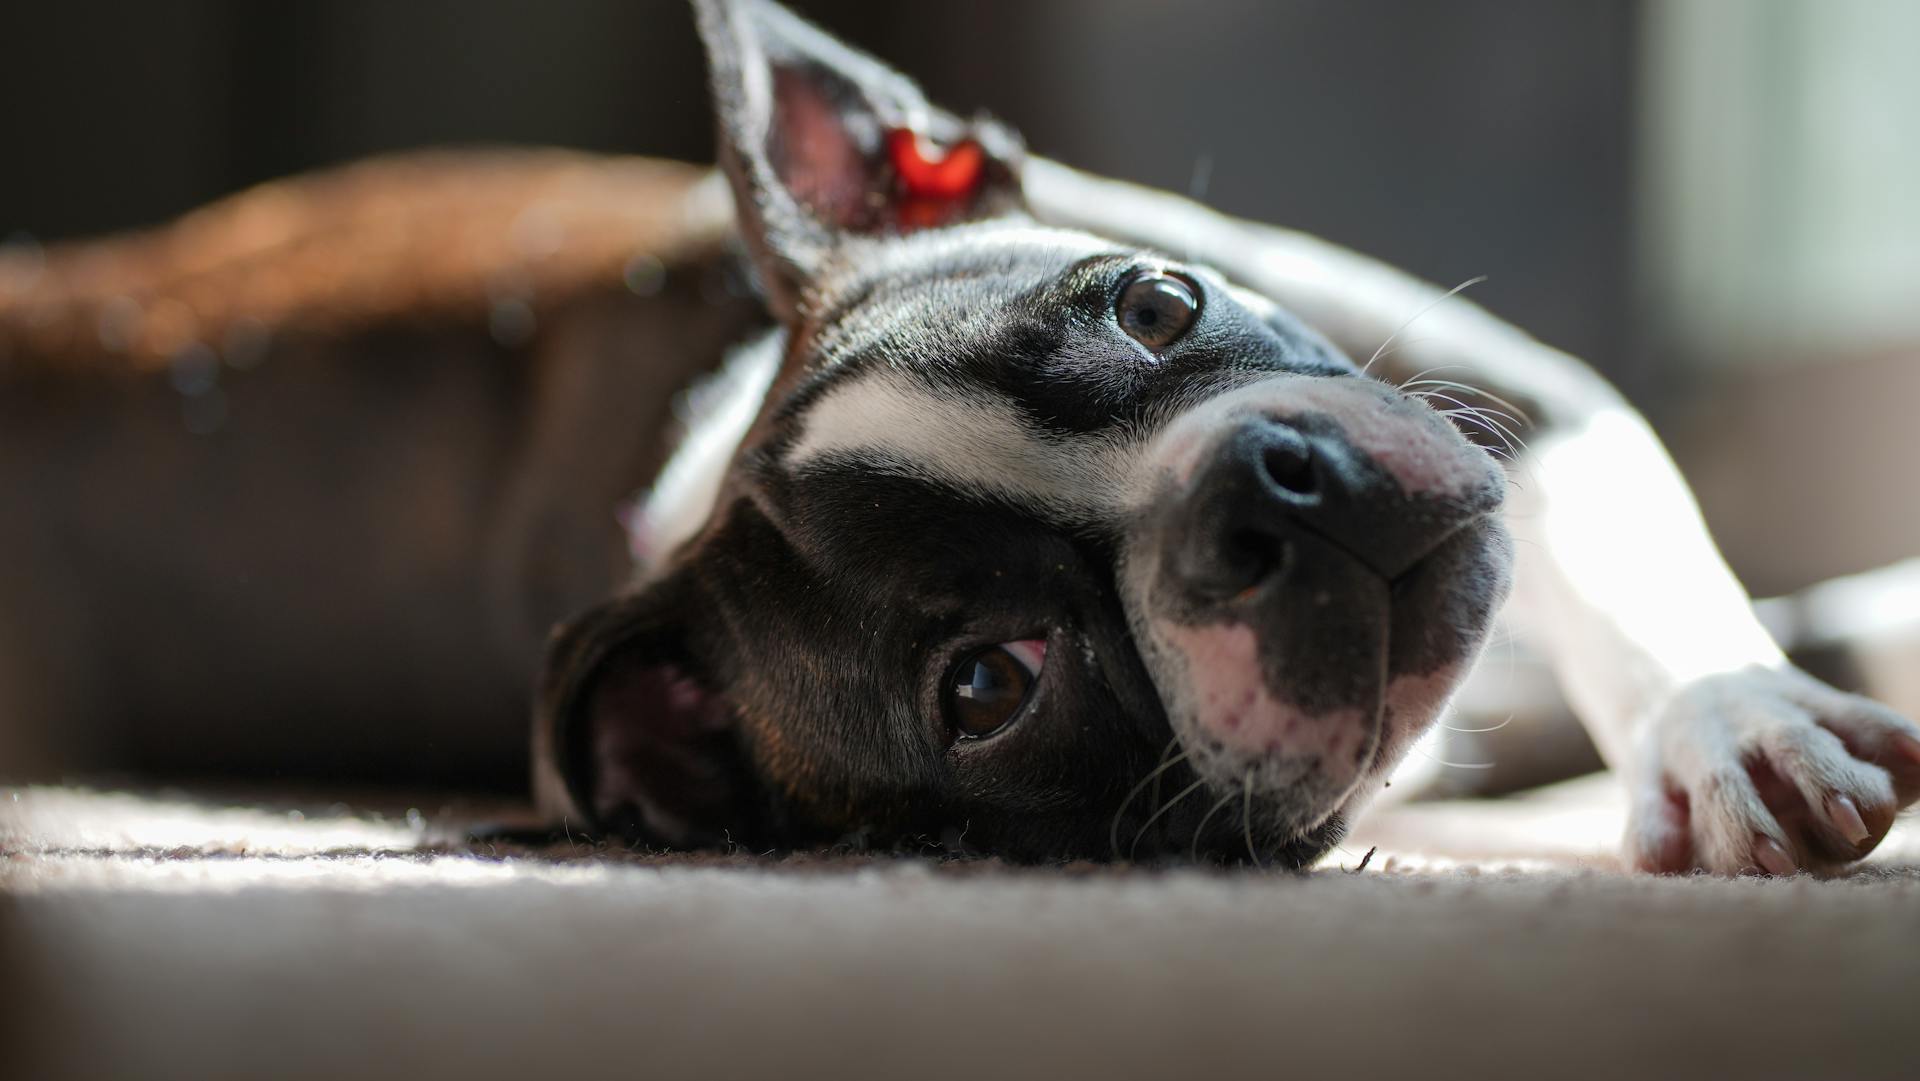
[[987, 688], [1155, 309]]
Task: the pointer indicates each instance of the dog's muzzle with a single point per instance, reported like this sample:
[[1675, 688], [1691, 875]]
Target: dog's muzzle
[[1317, 568]]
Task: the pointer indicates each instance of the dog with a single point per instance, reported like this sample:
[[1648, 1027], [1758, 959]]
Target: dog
[[1003, 529]]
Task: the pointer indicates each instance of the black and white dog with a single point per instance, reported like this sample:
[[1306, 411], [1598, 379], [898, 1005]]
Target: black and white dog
[[1011, 530], [1020, 530]]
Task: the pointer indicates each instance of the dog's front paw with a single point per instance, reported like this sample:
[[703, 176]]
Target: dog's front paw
[[1767, 770]]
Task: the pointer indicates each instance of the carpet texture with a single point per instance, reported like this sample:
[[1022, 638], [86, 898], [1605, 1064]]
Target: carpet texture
[[163, 936]]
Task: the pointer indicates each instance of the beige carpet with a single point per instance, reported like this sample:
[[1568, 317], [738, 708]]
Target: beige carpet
[[156, 937]]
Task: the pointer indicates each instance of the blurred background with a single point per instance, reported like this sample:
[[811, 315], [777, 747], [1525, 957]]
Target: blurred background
[[1714, 201]]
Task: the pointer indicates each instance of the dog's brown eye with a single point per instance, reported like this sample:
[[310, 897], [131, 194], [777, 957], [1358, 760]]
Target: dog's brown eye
[[1155, 309], [987, 688]]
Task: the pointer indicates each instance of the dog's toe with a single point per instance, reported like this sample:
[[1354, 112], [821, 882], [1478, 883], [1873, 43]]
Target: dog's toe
[[1872, 733], [1659, 830], [1837, 806], [1735, 831]]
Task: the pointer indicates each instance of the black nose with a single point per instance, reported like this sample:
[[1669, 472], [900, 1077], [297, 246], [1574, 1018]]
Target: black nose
[[1269, 482]]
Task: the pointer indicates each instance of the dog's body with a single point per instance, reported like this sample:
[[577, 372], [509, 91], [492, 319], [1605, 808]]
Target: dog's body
[[1015, 531]]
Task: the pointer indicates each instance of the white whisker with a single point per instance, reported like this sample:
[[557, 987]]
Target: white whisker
[[1155, 817], [1113, 833], [1437, 760], [1246, 819], [1480, 731], [1437, 301], [1193, 849], [1489, 416], [1520, 414]]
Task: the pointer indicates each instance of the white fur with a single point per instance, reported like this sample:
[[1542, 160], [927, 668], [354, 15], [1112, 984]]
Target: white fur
[[716, 416], [1658, 649], [976, 444]]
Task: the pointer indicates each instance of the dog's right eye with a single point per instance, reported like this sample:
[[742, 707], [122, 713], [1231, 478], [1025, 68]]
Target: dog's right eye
[[987, 688], [1155, 309]]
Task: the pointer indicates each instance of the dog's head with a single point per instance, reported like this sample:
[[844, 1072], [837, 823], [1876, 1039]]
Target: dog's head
[[1016, 539]]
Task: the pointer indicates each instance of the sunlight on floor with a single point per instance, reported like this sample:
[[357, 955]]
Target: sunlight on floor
[[82, 821]]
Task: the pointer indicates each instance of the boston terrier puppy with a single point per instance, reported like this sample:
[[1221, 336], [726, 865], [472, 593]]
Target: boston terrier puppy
[[1020, 533]]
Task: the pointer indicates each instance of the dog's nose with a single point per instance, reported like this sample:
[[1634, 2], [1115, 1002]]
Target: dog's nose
[[1269, 482]]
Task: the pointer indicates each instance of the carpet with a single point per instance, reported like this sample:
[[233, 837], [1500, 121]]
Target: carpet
[[174, 935]]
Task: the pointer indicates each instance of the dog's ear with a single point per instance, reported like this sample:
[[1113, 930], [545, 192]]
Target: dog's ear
[[822, 142], [633, 737]]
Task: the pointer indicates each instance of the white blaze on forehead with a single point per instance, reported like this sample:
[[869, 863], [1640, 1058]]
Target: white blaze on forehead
[[975, 442]]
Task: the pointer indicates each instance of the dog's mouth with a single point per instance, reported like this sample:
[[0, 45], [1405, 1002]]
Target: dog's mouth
[[1296, 705]]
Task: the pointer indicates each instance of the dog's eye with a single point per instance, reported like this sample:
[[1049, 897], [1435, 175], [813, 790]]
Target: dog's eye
[[987, 688], [1155, 309]]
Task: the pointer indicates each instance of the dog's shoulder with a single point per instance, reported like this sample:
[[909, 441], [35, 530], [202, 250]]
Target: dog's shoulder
[[436, 237]]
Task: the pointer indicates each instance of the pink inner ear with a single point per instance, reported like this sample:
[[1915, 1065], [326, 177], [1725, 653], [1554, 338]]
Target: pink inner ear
[[814, 153], [658, 741], [953, 175]]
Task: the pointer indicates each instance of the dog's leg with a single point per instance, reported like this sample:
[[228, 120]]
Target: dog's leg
[[1734, 759]]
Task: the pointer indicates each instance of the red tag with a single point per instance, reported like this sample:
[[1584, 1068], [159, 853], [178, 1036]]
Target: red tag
[[954, 175]]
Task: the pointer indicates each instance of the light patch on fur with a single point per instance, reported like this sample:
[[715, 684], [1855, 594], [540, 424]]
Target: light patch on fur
[[1414, 703], [977, 444], [716, 416], [1233, 706]]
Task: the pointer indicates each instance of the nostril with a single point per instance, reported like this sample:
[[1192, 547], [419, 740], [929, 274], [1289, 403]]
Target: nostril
[[1289, 463], [1255, 554], [1244, 560]]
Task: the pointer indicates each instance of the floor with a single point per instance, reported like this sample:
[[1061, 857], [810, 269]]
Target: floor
[[172, 936]]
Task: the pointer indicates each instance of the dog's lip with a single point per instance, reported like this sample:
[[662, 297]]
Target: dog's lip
[[1420, 562], [1376, 758]]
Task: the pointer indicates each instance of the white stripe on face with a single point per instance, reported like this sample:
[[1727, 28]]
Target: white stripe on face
[[976, 443]]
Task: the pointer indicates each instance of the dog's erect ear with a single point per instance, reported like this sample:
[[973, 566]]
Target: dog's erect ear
[[821, 142], [633, 738]]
